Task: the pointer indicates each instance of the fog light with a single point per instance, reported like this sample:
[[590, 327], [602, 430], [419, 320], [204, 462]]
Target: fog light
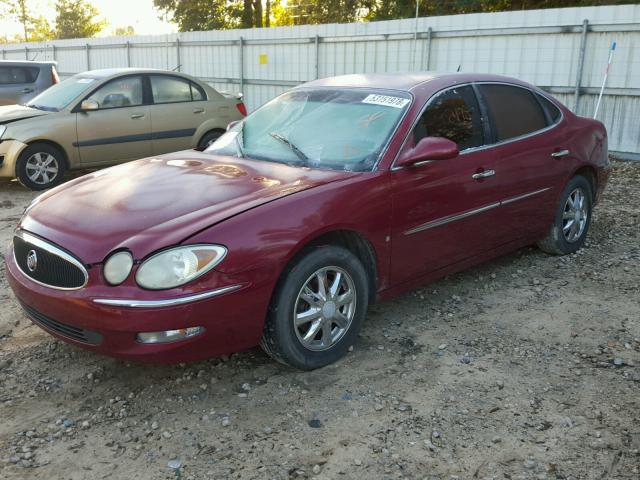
[[169, 335]]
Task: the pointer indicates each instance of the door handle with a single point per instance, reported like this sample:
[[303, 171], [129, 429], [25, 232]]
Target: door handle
[[485, 174], [26, 90], [560, 153], [137, 115], [198, 110]]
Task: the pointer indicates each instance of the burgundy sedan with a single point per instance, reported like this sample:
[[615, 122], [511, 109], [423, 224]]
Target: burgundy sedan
[[336, 194]]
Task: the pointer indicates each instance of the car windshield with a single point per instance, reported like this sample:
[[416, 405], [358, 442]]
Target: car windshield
[[57, 97], [342, 129]]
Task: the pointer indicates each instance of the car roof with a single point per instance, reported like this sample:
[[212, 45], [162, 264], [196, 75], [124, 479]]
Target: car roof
[[112, 72], [25, 63], [406, 81]]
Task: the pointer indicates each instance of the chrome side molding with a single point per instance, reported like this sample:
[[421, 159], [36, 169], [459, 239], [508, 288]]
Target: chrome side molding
[[459, 216], [170, 302]]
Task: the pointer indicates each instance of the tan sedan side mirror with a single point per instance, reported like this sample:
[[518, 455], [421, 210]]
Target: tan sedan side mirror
[[89, 105]]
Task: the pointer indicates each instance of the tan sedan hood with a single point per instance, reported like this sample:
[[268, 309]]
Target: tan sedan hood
[[11, 113]]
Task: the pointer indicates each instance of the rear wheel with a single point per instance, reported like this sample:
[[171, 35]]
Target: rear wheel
[[208, 138], [40, 166], [317, 310], [573, 218]]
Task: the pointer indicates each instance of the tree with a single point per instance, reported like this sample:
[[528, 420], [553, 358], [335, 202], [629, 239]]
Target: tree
[[77, 19], [193, 15], [41, 30], [124, 31], [18, 10]]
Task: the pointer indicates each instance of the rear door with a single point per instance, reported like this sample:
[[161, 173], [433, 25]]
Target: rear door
[[17, 83], [179, 107], [120, 129], [528, 153], [446, 211]]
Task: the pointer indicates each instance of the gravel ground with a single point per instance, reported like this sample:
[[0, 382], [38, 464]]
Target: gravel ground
[[525, 367]]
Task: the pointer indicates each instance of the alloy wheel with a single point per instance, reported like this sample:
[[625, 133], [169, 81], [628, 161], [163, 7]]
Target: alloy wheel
[[42, 168], [324, 309], [575, 215]]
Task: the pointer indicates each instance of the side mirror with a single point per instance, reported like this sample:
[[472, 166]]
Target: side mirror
[[232, 124], [89, 105], [429, 148]]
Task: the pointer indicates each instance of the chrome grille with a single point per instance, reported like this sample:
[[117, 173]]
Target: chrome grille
[[47, 264]]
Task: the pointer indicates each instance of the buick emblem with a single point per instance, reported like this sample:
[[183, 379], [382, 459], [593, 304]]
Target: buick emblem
[[32, 260]]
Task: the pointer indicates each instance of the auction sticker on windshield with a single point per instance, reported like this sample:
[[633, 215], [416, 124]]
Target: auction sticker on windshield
[[386, 100]]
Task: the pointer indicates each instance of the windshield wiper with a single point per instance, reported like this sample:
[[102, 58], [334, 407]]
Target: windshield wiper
[[299, 153], [41, 107]]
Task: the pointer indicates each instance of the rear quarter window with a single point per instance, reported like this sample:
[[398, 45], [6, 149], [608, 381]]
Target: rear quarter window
[[17, 75], [552, 110], [514, 110]]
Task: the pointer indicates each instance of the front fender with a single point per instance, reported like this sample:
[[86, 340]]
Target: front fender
[[270, 235]]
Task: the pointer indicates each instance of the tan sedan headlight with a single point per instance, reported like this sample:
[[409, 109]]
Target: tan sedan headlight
[[177, 266], [117, 267]]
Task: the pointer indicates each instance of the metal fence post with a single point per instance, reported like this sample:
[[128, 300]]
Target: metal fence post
[[317, 55], [428, 50], [53, 52], [88, 56], [178, 53], [26, 53], [583, 43], [4, 54], [128, 44], [241, 64]]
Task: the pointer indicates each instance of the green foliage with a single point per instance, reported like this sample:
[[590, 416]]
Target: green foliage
[[124, 31], [194, 15], [77, 19]]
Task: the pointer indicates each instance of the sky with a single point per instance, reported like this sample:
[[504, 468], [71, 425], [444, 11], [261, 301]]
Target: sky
[[140, 14]]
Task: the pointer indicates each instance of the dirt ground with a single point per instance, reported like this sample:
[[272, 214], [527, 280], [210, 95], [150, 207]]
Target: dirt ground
[[525, 367]]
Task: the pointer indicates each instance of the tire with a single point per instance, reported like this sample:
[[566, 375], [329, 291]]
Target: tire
[[567, 234], [208, 138], [298, 294], [41, 166]]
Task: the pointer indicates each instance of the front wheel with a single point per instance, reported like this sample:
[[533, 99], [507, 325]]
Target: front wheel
[[573, 218], [40, 166], [317, 309]]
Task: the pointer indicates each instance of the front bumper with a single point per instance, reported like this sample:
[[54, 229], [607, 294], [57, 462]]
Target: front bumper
[[232, 320], [10, 150]]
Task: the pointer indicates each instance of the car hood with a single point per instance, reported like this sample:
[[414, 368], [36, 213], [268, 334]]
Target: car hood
[[12, 113], [157, 202]]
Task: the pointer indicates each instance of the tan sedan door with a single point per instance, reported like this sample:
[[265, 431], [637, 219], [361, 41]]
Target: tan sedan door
[[120, 129], [179, 108]]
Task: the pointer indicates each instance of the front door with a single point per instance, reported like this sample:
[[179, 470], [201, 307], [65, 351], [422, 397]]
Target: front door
[[446, 211], [120, 129]]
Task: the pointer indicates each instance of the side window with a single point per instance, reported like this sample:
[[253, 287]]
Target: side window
[[197, 93], [121, 92], [552, 110], [18, 75], [167, 89], [514, 110], [453, 114]]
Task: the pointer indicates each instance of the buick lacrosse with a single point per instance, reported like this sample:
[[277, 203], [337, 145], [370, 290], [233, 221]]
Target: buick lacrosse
[[336, 194]]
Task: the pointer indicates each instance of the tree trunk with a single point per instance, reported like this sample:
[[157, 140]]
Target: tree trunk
[[247, 14], [267, 14], [257, 9]]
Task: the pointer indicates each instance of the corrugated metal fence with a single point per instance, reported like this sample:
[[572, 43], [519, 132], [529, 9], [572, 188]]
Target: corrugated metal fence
[[562, 50]]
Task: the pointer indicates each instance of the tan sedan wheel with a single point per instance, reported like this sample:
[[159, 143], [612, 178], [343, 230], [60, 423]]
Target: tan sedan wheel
[[40, 166]]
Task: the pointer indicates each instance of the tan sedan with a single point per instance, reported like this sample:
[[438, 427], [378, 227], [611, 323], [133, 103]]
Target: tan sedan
[[104, 117]]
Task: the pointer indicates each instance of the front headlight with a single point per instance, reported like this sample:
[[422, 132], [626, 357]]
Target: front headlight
[[177, 266]]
